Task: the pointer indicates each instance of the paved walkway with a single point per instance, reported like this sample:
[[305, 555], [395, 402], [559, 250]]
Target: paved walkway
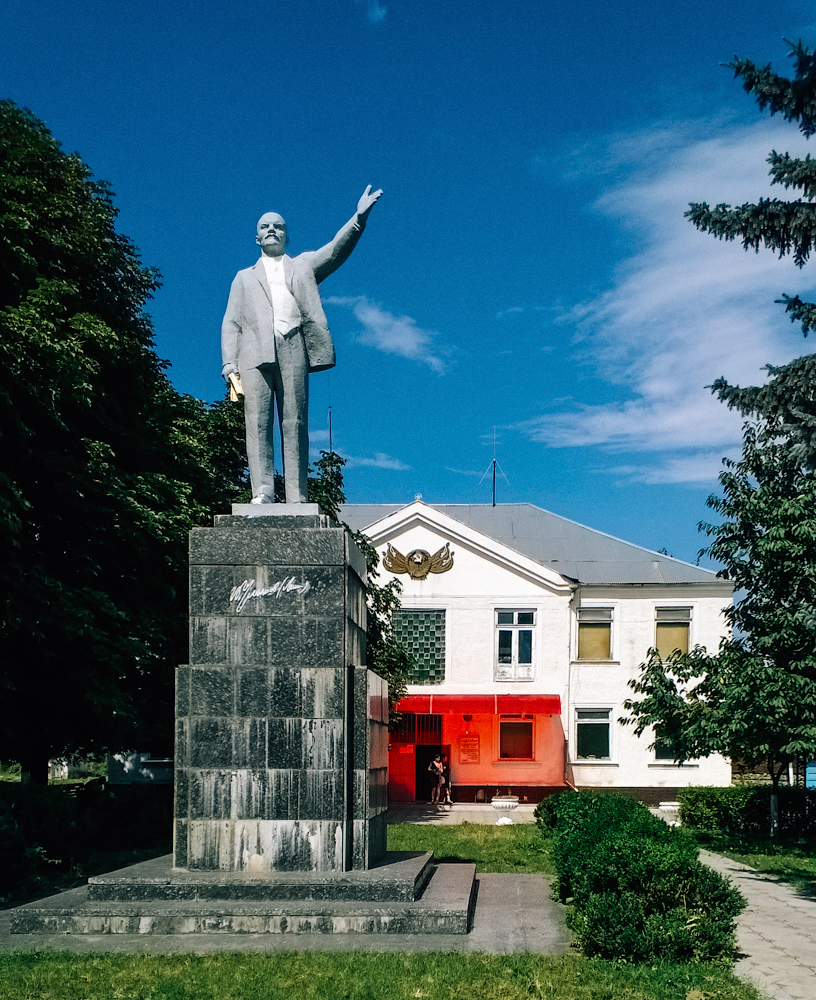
[[459, 812], [776, 933]]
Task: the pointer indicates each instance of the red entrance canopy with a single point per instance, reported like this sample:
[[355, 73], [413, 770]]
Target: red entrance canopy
[[481, 704]]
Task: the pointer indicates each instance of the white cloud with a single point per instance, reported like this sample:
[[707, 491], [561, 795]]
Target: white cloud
[[698, 467], [319, 441], [683, 310], [379, 461], [376, 11], [392, 334], [464, 472]]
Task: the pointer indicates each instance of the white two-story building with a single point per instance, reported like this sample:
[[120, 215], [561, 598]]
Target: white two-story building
[[526, 629]]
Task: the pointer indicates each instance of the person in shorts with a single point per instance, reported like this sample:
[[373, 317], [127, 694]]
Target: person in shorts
[[445, 787], [436, 778]]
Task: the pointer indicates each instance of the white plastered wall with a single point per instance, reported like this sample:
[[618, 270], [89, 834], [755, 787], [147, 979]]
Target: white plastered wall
[[470, 592], [486, 576], [605, 684]]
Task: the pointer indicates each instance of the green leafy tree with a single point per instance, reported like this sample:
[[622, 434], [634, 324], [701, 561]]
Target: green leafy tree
[[104, 468], [385, 654], [756, 698], [325, 485]]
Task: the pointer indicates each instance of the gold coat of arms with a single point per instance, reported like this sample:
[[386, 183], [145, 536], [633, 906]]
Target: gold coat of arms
[[418, 563]]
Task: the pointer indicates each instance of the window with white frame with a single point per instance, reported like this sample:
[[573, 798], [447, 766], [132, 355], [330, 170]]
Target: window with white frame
[[515, 634], [663, 754], [672, 626], [593, 734], [595, 633]]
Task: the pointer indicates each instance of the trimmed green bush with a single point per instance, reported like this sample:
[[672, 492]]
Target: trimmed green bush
[[635, 886], [746, 810]]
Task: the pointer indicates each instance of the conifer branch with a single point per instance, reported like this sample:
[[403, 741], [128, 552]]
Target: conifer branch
[[791, 172], [794, 99], [786, 226], [800, 312]]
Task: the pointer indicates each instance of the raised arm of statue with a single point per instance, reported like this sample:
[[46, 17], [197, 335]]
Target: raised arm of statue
[[327, 259], [368, 200]]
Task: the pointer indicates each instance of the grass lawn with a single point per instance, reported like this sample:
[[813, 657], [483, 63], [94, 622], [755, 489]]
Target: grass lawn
[[793, 861], [358, 976], [374, 976], [519, 848]]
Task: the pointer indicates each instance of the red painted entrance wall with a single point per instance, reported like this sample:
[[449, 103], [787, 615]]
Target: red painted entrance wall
[[475, 761], [401, 778], [491, 771]]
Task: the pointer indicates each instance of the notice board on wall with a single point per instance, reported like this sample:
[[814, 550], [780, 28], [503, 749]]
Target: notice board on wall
[[468, 749]]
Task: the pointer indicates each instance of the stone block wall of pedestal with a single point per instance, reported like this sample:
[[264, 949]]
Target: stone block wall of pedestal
[[281, 732]]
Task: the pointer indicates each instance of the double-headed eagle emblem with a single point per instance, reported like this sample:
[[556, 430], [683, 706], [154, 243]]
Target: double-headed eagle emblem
[[418, 563]]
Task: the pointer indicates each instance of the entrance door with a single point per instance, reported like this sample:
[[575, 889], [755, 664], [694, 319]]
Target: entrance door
[[425, 753]]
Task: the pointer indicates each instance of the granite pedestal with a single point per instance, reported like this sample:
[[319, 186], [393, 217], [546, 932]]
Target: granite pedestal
[[402, 894], [281, 738], [281, 759]]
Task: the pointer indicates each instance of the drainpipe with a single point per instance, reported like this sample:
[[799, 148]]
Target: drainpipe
[[568, 699]]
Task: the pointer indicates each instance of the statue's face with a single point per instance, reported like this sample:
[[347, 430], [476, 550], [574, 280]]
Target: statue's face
[[272, 237]]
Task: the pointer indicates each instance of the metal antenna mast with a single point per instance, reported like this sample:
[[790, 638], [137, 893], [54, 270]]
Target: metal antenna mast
[[492, 468]]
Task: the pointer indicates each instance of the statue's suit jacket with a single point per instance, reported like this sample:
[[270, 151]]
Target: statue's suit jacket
[[248, 330]]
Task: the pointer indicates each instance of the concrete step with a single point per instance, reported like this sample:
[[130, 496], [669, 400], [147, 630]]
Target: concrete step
[[444, 908], [400, 875]]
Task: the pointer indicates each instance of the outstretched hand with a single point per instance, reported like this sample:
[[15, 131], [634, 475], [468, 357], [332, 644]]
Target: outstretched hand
[[367, 201]]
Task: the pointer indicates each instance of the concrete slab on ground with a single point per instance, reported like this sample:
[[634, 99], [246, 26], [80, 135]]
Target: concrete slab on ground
[[444, 907], [512, 913], [776, 934]]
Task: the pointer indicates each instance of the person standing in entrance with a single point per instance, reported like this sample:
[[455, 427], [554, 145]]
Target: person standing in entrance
[[274, 334], [435, 772], [445, 788]]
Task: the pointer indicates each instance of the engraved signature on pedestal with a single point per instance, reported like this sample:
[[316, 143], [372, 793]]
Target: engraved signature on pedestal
[[247, 591]]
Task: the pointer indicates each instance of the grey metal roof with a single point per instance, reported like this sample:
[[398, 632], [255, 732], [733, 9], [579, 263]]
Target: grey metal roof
[[569, 548]]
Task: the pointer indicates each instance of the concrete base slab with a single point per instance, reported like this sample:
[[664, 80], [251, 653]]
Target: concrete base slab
[[444, 908], [399, 876], [276, 509], [512, 914]]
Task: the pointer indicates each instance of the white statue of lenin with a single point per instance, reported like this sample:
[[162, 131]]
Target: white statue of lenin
[[273, 335]]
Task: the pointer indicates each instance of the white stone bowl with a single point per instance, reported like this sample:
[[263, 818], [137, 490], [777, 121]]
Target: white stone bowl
[[504, 803]]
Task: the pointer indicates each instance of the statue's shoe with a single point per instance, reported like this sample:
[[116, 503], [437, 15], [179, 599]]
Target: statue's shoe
[[262, 498]]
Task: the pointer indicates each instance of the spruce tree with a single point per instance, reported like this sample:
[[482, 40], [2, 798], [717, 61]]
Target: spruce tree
[[755, 698], [787, 404]]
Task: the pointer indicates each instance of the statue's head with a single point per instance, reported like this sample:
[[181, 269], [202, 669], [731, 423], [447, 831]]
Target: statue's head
[[272, 236]]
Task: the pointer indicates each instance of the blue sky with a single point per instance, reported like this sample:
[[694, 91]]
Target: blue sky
[[528, 268]]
